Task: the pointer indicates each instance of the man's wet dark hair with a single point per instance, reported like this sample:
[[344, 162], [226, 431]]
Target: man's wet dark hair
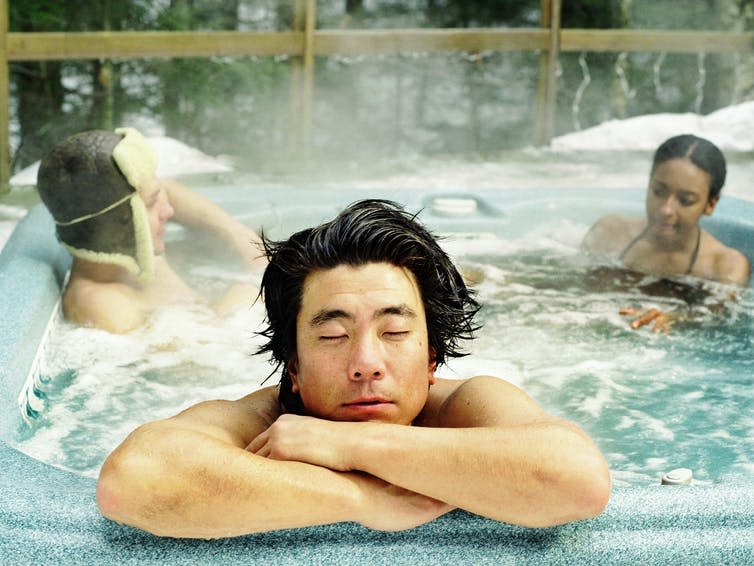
[[366, 231], [702, 153]]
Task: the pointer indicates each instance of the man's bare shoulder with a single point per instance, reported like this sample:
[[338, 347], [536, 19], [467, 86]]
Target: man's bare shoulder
[[478, 401], [611, 234], [237, 422], [114, 307]]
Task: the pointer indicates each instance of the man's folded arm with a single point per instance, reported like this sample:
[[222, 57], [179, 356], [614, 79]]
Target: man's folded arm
[[184, 477], [497, 454], [489, 450]]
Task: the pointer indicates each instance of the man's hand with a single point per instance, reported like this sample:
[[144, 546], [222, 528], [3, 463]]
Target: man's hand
[[661, 321], [319, 442], [306, 439], [387, 507]]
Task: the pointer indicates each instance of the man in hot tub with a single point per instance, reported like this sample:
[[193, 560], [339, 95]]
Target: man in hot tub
[[362, 310], [110, 212]]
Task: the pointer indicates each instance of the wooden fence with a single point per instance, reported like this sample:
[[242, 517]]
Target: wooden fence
[[304, 42]]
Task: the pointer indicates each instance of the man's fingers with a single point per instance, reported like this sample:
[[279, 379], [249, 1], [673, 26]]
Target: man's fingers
[[256, 444]]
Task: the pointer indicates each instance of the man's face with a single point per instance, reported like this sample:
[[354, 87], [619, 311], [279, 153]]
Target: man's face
[[362, 346], [159, 211]]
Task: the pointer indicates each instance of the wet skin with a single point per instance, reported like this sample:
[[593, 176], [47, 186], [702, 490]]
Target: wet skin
[[362, 350], [159, 211], [677, 197]]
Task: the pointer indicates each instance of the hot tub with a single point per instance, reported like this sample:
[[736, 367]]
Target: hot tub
[[49, 515]]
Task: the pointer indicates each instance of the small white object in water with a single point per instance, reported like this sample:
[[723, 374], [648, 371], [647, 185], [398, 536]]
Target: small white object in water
[[679, 476]]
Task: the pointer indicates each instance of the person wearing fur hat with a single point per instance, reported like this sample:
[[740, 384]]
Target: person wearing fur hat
[[110, 212]]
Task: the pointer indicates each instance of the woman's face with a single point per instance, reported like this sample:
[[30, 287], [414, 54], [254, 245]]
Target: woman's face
[[677, 197]]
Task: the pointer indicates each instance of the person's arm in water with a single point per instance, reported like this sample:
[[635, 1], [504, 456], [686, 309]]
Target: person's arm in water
[[219, 469], [197, 211], [727, 266]]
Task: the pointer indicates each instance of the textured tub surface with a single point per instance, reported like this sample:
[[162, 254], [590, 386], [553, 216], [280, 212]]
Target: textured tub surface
[[48, 516]]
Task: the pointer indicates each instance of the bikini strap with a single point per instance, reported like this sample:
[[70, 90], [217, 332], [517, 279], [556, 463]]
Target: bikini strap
[[694, 254], [696, 250], [632, 243]]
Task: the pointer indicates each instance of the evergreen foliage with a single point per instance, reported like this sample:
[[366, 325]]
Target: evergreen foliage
[[363, 106]]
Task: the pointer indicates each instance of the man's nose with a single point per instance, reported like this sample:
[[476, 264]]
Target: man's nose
[[366, 360], [167, 210]]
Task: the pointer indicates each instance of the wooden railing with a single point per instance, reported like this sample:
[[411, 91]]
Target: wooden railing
[[304, 42]]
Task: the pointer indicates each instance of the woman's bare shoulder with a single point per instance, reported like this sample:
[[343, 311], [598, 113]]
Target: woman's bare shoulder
[[729, 264], [609, 235]]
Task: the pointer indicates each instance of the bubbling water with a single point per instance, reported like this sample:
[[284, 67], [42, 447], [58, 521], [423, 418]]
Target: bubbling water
[[652, 402], [102, 386]]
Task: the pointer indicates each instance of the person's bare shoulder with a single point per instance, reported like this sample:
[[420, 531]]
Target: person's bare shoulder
[[732, 266], [611, 234], [113, 307], [236, 422], [479, 401]]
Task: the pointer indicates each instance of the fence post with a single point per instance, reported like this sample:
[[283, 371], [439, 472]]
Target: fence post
[[294, 116], [307, 110], [544, 120], [4, 102], [302, 79]]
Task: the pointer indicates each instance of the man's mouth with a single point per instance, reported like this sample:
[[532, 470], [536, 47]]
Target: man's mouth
[[367, 401]]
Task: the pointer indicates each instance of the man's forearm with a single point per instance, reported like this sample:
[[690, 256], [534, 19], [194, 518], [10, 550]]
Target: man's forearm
[[199, 487], [197, 211], [534, 475]]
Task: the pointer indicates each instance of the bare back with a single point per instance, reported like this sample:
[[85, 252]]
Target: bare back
[[94, 297]]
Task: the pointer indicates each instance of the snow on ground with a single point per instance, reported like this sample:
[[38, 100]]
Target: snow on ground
[[730, 128]]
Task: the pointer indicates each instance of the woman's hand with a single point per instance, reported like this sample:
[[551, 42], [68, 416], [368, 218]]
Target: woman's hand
[[661, 321]]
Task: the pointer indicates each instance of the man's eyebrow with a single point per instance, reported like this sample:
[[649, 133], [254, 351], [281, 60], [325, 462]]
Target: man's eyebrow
[[326, 315], [329, 314], [399, 310]]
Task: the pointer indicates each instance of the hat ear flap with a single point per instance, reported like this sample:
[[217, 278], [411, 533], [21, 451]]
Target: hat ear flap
[[118, 236], [144, 245], [135, 157]]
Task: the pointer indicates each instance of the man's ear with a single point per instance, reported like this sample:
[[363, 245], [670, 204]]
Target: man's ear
[[711, 204], [432, 365], [293, 374]]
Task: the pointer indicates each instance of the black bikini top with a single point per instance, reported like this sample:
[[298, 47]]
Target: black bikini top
[[643, 232]]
